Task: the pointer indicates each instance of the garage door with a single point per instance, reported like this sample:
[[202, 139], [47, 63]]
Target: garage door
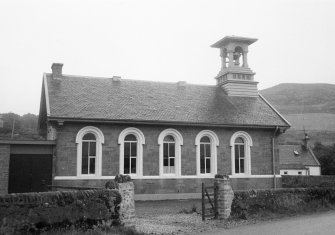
[[29, 173]]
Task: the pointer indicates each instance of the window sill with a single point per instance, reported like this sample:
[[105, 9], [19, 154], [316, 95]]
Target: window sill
[[160, 177]]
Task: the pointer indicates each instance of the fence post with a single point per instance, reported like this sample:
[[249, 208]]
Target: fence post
[[203, 200], [215, 200]]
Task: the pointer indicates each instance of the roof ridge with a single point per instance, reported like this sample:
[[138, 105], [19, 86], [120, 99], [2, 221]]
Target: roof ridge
[[136, 80]]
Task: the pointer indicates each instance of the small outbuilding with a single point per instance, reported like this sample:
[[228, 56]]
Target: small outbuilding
[[298, 159]]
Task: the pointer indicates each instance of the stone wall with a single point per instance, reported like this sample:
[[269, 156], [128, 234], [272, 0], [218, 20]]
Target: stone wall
[[26, 212], [4, 167], [261, 151]]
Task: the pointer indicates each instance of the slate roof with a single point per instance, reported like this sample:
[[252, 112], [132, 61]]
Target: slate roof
[[133, 100], [288, 160]]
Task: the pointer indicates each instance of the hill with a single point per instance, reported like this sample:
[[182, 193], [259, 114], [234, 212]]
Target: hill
[[293, 98], [309, 107]]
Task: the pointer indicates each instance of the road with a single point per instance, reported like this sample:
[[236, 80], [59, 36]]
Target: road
[[323, 223]]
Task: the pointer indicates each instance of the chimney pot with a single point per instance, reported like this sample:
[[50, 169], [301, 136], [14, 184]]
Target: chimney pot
[[57, 70]]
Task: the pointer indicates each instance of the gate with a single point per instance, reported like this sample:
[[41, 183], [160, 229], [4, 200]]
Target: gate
[[209, 202]]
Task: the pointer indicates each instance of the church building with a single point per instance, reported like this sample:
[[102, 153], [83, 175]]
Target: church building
[[169, 137]]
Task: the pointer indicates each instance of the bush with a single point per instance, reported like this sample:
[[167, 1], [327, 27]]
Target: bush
[[282, 201], [122, 178]]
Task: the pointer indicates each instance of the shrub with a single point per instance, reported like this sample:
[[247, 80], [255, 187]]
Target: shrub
[[122, 178], [285, 201]]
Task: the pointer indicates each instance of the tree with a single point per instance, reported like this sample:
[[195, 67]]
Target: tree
[[25, 127], [326, 157]]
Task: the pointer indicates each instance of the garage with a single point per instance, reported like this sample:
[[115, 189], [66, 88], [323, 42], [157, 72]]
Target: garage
[[26, 166]]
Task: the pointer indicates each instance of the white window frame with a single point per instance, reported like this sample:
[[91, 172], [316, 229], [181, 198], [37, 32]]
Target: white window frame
[[247, 143], [178, 143], [100, 139], [140, 142], [214, 142]]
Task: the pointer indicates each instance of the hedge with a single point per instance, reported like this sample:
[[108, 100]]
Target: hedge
[[289, 181], [286, 201], [32, 211]]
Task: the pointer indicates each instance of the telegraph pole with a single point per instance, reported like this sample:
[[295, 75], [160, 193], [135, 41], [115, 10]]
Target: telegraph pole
[[13, 127]]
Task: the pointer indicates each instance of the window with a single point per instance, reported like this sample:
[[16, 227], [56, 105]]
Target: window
[[240, 143], [131, 142], [205, 155], [170, 141], [285, 172], [239, 155], [130, 154], [169, 155], [89, 151], [206, 143], [299, 173]]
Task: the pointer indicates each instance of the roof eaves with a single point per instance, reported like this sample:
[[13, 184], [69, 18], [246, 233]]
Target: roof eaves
[[150, 122], [275, 110], [315, 159], [29, 142]]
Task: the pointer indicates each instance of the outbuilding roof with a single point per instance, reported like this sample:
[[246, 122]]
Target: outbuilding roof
[[294, 156], [80, 97]]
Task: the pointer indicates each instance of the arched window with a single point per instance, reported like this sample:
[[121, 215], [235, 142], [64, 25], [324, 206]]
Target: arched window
[[89, 151], [169, 155], [130, 154], [89, 154], [206, 143], [205, 155], [131, 142], [240, 144], [170, 141], [239, 155]]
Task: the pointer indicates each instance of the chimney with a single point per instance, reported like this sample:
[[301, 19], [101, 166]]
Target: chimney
[[305, 140], [56, 70], [116, 78], [181, 83]]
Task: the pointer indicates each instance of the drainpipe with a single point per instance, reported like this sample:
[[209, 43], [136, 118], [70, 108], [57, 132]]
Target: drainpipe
[[273, 158]]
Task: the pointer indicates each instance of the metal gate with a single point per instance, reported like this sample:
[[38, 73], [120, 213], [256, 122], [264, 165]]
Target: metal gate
[[29, 172]]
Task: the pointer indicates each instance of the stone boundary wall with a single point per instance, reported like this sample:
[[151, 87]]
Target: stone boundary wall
[[289, 181], [282, 200], [4, 167], [23, 212]]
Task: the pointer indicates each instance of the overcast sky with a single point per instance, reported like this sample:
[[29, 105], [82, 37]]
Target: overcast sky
[[159, 41]]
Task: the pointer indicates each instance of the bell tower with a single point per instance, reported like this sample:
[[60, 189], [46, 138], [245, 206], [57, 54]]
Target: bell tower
[[235, 76]]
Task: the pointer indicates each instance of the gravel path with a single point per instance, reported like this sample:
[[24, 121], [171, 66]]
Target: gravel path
[[176, 217], [166, 217]]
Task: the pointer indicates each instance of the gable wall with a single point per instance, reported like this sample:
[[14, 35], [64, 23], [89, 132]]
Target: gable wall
[[66, 162]]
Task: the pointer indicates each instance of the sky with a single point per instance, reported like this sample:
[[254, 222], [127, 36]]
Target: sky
[[159, 40]]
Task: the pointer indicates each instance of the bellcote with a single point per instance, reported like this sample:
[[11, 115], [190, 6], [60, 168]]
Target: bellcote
[[235, 76]]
